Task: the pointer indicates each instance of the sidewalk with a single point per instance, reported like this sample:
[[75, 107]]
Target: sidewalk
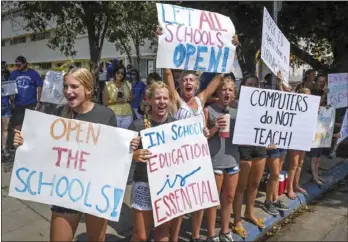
[[30, 221]]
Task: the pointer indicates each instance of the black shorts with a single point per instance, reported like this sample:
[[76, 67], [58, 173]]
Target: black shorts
[[62, 210], [18, 113], [315, 152], [247, 152]]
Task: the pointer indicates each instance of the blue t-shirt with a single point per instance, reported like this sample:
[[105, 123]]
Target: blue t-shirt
[[27, 83], [205, 79], [137, 90]]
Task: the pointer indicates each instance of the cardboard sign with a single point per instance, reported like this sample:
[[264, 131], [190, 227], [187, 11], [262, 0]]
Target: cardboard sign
[[275, 50], [181, 177], [194, 40], [52, 90], [325, 127], [72, 164], [344, 128], [8, 88], [285, 119], [338, 90]]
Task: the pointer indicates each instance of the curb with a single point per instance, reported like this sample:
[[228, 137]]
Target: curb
[[332, 176]]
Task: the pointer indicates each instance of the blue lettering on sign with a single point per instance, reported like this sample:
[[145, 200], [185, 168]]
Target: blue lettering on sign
[[186, 130], [74, 189], [200, 49], [182, 180], [183, 54], [160, 138]]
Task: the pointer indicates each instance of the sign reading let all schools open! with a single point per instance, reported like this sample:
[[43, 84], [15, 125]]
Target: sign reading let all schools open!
[[72, 164], [285, 119], [181, 176], [194, 40]]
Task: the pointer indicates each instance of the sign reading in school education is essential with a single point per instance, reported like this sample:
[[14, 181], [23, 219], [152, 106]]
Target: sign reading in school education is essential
[[344, 128], [338, 90], [8, 88], [285, 119], [72, 164], [325, 127], [193, 39], [181, 176], [275, 50], [52, 90]]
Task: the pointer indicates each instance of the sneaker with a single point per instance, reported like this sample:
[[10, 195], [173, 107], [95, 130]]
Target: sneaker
[[332, 155], [5, 152], [226, 237], [280, 206], [196, 240], [270, 208], [213, 239]]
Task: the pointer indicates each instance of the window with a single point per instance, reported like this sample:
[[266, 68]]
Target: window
[[3, 42], [18, 40], [45, 66], [40, 36]]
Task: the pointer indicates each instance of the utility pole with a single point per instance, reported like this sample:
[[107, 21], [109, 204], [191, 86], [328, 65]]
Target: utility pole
[[277, 5]]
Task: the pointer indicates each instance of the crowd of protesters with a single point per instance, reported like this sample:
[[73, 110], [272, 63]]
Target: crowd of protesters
[[130, 103]]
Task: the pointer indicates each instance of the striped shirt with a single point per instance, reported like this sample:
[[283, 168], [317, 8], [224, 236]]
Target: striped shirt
[[185, 111]]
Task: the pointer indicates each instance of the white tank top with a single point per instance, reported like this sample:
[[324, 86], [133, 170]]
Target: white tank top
[[185, 111]]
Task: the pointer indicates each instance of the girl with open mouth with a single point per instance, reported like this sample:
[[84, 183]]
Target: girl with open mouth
[[78, 90]]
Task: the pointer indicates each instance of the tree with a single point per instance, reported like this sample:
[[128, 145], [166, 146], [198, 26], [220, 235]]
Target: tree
[[70, 19], [135, 23]]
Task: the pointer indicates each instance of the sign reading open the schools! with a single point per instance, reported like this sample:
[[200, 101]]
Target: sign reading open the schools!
[[325, 127], [72, 164], [8, 88], [52, 90], [275, 50], [285, 119], [181, 176], [338, 90], [194, 40]]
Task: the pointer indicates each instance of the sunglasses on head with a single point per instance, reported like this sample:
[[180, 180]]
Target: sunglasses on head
[[134, 74]]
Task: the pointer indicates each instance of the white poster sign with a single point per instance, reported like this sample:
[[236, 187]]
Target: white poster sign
[[344, 128], [338, 90], [181, 176], [325, 127], [8, 88], [275, 50], [72, 164], [285, 119], [52, 90], [194, 39]]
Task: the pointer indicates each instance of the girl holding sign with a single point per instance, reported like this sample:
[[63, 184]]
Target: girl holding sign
[[252, 165], [189, 105], [296, 158], [78, 89], [224, 156], [159, 99]]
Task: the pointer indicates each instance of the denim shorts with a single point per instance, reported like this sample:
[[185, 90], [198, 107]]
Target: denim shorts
[[6, 111], [276, 153], [230, 171]]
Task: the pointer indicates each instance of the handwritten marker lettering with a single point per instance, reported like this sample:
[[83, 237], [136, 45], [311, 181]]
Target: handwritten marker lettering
[[182, 180]]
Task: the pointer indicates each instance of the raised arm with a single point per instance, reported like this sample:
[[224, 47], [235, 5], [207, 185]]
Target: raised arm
[[213, 85], [169, 79]]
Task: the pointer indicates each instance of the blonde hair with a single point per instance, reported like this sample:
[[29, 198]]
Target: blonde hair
[[150, 91], [304, 90], [85, 78], [225, 81]]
